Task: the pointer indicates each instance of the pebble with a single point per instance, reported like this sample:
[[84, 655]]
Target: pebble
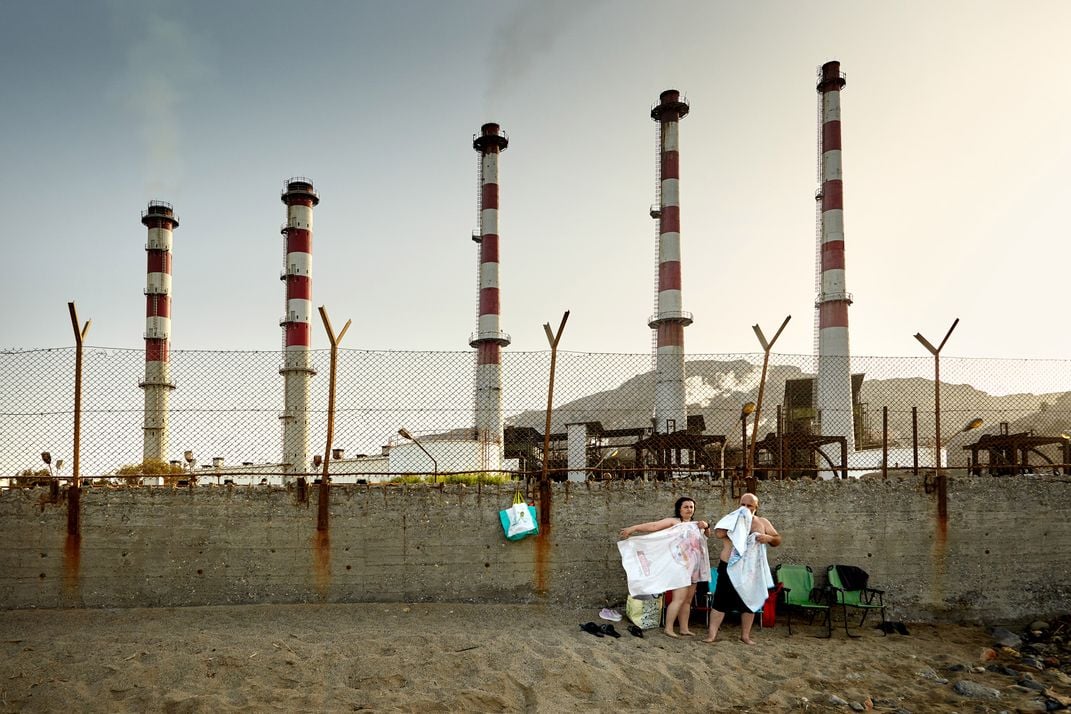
[[968, 688], [977, 670], [1031, 684], [988, 654], [1006, 638], [1001, 669], [1033, 662], [957, 668], [857, 707], [1039, 625], [834, 699]]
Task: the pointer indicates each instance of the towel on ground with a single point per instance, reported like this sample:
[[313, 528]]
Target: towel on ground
[[668, 559]]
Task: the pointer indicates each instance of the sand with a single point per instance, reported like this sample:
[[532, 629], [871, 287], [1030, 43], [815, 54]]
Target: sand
[[473, 658]]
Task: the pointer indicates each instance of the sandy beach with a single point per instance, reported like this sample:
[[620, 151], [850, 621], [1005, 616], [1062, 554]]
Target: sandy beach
[[477, 658]]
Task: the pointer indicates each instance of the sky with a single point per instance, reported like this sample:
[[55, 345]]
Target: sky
[[956, 135]]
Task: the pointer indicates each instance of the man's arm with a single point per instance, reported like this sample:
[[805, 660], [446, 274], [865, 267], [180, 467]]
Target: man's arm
[[769, 534]]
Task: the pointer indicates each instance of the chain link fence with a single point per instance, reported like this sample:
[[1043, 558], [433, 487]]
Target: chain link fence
[[997, 416]]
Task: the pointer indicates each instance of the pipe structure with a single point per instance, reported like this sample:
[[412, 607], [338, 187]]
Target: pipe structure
[[670, 319], [160, 220], [488, 340], [300, 196], [833, 386]]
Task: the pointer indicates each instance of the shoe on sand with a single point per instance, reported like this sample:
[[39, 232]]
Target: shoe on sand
[[609, 630], [635, 631], [611, 615], [591, 628]]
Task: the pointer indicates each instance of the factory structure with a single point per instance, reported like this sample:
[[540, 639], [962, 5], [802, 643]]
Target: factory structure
[[822, 412], [160, 220]]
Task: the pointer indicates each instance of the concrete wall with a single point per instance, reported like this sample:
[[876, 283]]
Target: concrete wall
[[1004, 553]]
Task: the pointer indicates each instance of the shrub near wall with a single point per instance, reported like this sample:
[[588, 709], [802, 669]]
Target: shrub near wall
[[1002, 554]]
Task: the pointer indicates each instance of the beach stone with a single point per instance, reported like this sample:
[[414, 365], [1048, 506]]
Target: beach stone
[[977, 670], [1039, 626], [1031, 684], [929, 673], [1033, 662], [1001, 669], [957, 668], [834, 699], [967, 688], [988, 654], [1006, 638], [857, 707]]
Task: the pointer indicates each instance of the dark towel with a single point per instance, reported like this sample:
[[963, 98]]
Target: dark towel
[[852, 578]]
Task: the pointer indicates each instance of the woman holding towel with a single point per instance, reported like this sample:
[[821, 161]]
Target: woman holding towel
[[680, 606]]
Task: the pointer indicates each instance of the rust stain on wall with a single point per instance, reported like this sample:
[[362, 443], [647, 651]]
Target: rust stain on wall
[[72, 561], [542, 541], [321, 561]]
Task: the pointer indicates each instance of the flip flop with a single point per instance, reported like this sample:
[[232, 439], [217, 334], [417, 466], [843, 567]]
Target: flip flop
[[609, 630], [635, 631], [591, 628]]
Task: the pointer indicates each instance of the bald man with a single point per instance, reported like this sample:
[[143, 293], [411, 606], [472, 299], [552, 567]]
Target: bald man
[[726, 597]]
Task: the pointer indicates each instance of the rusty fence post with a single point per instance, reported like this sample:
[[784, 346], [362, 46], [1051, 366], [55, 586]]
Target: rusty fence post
[[322, 507]]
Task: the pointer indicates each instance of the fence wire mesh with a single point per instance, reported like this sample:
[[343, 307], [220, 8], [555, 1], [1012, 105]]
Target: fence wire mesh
[[223, 420]]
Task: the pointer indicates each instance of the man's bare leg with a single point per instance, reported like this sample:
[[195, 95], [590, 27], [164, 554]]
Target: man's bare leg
[[747, 619], [715, 622]]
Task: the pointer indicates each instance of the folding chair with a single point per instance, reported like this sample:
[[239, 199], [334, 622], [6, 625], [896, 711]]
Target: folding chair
[[849, 587], [700, 602], [797, 582]]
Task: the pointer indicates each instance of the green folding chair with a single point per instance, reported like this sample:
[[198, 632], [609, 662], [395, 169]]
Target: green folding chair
[[798, 590], [860, 598]]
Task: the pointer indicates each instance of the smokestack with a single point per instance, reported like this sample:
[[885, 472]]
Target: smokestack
[[299, 196], [670, 319], [160, 219], [833, 386], [489, 339]]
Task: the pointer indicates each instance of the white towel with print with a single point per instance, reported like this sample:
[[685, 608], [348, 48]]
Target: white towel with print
[[668, 559], [750, 573], [738, 524]]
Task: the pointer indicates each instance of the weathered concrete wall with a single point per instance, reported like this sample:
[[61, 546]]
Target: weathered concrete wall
[[1003, 554]]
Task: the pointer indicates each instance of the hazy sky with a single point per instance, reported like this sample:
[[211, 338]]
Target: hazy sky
[[957, 157]]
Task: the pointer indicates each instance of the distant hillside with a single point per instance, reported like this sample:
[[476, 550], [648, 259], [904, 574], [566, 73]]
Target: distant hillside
[[717, 390]]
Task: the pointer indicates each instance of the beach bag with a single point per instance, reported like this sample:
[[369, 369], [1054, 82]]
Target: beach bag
[[519, 519], [646, 614]]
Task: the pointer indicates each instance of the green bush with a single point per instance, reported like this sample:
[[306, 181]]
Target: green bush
[[469, 479]]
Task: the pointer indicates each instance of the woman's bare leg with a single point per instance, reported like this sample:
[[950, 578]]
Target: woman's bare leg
[[685, 614], [676, 603]]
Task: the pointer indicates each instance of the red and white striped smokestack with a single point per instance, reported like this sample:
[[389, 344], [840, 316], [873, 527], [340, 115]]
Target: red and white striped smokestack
[[670, 319], [300, 197], [489, 338], [833, 396], [160, 219]]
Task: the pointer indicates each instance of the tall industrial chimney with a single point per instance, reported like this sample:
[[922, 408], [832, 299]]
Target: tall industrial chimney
[[160, 219], [299, 196], [489, 339], [833, 397], [670, 319]]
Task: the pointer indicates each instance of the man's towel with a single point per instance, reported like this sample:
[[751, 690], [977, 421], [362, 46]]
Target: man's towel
[[750, 573], [665, 560], [738, 525]]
